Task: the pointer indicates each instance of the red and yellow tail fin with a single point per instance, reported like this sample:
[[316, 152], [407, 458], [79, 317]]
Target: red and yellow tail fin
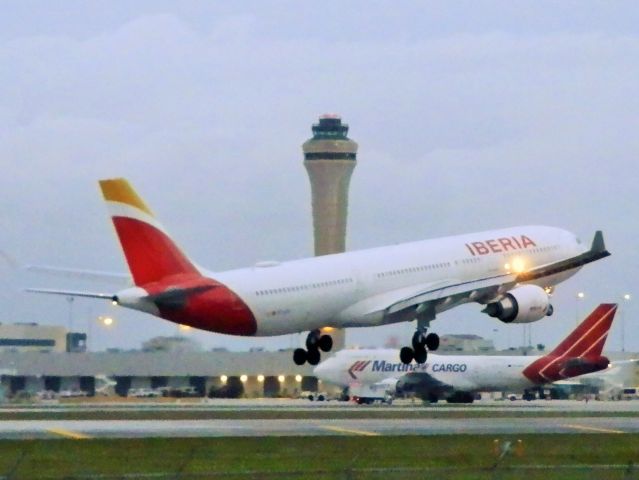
[[580, 352], [588, 338], [149, 251]]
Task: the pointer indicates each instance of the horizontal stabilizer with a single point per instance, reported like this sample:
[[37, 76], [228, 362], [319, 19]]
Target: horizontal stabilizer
[[71, 293]]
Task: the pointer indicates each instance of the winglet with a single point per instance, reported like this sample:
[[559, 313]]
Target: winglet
[[598, 245]]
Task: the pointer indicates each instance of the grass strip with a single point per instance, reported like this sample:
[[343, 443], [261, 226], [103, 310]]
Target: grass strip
[[450, 456]]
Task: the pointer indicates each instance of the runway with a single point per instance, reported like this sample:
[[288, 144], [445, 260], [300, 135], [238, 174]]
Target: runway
[[299, 418], [288, 405], [84, 429]]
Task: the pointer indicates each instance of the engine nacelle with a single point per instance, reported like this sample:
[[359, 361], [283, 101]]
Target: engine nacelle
[[524, 304]]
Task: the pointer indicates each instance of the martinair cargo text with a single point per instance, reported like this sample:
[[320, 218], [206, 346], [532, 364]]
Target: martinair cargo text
[[511, 272], [371, 374]]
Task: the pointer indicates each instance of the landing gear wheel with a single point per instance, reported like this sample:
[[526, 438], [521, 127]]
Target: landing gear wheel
[[300, 356], [312, 340], [432, 341], [421, 355], [406, 355], [418, 340], [325, 343], [313, 357]]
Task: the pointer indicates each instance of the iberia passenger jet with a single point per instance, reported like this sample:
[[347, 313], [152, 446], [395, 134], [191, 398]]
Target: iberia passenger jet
[[369, 374], [511, 272]]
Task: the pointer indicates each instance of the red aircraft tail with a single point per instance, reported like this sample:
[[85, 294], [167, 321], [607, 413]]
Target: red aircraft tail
[[579, 353], [150, 252]]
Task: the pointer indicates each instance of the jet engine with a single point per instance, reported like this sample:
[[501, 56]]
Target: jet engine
[[524, 304]]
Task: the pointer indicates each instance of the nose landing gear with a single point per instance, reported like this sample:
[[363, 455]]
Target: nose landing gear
[[315, 342]]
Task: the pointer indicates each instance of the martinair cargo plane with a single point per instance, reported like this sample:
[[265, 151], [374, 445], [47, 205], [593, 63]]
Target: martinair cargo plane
[[511, 272], [369, 374]]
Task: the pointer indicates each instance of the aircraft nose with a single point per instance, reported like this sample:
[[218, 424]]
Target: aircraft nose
[[320, 369], [323, 370]]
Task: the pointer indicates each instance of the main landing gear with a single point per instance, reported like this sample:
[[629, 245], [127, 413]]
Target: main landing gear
[[314, 343], [422, 342]]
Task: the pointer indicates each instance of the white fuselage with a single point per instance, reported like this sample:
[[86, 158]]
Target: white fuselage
[[334, 290], [467, 373]]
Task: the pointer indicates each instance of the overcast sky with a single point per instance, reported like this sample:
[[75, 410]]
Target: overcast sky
[[469, 116]]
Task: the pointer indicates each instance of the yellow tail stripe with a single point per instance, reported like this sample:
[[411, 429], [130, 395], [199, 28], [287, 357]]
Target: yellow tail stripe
[[120, 190]]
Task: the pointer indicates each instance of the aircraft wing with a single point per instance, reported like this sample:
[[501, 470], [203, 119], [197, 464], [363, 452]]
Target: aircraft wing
[[436, 298], [447, 296], [597, 251]]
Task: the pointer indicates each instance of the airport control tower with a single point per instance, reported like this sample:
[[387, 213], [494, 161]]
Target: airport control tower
[[329, 158]]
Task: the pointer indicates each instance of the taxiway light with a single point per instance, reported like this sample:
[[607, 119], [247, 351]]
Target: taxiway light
[[243, 378], [260, 378]]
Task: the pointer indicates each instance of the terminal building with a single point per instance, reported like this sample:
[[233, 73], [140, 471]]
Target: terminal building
[[214, 373], [178, 364]]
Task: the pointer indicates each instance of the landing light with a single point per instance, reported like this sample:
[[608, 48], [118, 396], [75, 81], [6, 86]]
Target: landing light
[[327, 329], [281, 378], [298, 378], [260, 378], [243, 378], [223, 378], [518, 265]]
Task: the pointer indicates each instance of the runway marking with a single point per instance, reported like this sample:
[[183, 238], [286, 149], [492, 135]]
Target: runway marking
[[68, 433], [592, 429], [350, 430]]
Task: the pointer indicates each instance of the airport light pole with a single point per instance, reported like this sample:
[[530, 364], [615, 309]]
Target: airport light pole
[[626, 298], [70, 300], [579, 297]]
